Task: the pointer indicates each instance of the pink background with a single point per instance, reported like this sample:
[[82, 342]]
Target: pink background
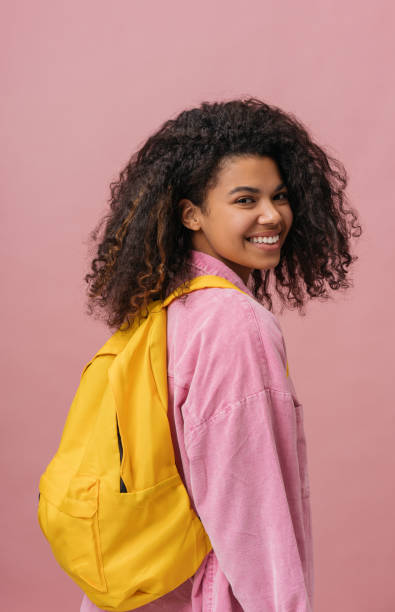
[[83, 85]]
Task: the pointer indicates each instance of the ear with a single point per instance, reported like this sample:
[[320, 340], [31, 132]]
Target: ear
[[190, 214]]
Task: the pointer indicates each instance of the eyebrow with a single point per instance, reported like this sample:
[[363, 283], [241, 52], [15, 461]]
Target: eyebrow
[[253, 189]]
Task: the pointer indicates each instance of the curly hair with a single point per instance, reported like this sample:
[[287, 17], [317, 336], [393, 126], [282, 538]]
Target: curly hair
[[145, 247]]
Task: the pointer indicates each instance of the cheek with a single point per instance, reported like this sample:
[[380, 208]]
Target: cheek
[[242, 224], [233, 226]]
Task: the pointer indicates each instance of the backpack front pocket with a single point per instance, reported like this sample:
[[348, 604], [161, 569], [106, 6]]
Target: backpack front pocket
[[69, 521]]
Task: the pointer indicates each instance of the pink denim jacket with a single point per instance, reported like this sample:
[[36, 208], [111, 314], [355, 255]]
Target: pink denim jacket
[[240, 448]]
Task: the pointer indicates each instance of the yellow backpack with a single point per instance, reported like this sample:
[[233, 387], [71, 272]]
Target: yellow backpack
[[111, 501]]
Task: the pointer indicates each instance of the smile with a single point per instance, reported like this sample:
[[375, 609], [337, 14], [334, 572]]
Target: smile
[[261, 244]]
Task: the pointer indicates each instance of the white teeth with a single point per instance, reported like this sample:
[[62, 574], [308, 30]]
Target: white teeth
[[266, 239]]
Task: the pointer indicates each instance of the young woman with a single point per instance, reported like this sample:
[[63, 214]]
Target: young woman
[[239, 190]]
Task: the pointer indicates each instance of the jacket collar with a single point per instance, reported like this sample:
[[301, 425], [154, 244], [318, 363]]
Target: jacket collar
[[207, 264]]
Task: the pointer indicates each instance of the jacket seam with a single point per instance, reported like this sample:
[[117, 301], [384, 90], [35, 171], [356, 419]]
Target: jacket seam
[[210, 583], [227, 408], [266, 388]]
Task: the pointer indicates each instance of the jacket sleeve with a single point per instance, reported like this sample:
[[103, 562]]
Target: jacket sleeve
[[245, 470]]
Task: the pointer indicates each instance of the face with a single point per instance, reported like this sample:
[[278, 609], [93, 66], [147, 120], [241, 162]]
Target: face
[[249, 198]]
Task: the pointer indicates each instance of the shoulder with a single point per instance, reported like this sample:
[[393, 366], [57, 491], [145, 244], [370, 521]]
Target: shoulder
[[232, 330], [230, 313], [217, 312]]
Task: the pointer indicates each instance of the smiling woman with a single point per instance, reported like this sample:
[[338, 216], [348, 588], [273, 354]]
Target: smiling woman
[[225, 196]]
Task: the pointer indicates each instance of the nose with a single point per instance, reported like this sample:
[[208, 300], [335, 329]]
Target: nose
[[268, 213]]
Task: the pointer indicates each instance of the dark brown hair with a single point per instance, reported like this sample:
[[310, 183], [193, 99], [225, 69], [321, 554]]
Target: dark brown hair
[[145, 246]]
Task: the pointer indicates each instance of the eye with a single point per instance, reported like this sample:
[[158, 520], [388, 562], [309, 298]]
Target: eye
[[283, 194], [245, 198]]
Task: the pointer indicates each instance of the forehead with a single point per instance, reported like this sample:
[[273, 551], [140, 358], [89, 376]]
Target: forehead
[[256, 171]]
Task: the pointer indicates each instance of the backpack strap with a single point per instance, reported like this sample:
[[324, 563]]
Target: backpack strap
[[201, 282]]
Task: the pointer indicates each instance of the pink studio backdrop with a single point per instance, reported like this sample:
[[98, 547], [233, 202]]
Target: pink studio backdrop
[[84, 84]]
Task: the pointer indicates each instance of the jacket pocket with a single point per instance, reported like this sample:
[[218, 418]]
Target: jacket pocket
[[70, 524]]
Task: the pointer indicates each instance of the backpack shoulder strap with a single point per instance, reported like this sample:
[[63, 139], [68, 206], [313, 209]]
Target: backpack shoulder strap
[[201, 282]]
